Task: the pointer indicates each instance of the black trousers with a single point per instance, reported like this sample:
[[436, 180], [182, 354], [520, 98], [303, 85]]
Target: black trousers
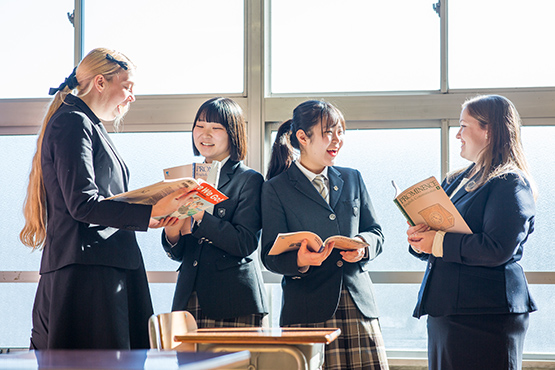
[[488, 342], [92, 307]]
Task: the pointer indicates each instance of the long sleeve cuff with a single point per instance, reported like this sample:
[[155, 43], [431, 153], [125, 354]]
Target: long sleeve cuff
[[437, 246]]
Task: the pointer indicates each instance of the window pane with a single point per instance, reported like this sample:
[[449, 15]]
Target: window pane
[[16, 305], [16, 153], [37, 46], [179, 47], [539, 143], [500, 43], [404, 155], [354, 45], [146, 155]]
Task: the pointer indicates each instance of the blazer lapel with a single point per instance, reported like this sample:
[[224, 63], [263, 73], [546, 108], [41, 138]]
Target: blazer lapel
[[226, 172], [104, 135], [301, 183], [336, 186]]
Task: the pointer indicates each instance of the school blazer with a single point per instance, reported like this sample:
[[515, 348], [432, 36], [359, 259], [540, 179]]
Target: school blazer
[[479, 272], [291, 203], [218, 259], [80, 167]]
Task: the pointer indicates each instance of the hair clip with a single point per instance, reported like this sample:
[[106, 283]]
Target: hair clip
[[121, 64]]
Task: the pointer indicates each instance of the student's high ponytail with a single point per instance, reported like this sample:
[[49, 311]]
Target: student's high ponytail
[[282, 151]]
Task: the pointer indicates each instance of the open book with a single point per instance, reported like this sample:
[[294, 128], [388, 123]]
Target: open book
[[286, 242], [206, 194], [426, 202]]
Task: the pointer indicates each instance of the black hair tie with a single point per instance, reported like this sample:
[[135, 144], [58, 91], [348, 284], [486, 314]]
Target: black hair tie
[[70, 82]]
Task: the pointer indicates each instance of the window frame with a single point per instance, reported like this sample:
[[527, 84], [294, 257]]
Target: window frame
[[264, 111]]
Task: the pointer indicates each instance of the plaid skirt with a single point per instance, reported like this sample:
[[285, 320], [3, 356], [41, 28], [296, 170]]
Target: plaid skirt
[[360, 345], [254, 320]]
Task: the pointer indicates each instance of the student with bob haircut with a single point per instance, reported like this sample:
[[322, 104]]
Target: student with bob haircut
[[331, 288], [219, 280], [474, 290], [93, 290]]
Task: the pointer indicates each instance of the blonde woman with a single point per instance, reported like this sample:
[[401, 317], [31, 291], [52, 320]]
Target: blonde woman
[[93, 291]]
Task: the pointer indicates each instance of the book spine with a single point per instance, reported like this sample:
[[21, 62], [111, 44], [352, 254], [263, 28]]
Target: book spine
[[403, 212]]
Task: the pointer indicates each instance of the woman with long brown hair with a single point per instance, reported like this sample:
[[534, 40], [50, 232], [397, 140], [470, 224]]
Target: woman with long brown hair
[[474, 290]]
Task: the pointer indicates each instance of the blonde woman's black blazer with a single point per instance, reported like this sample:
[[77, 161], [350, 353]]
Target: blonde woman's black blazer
[[218, 259], [479, 273], [81, 167], [291, 203]]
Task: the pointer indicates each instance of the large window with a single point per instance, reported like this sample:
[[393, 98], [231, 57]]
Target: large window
[[353, 45], [180, 47], [500, 43], [37, 46]]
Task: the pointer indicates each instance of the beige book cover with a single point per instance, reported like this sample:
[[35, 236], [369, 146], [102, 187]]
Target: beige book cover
[[286, 242], [209, 172], [426, 202]]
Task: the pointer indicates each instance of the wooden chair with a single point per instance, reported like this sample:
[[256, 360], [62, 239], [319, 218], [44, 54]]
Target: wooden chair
[[164, 327]]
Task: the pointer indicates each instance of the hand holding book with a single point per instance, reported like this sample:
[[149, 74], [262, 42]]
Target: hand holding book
[[286, 242]]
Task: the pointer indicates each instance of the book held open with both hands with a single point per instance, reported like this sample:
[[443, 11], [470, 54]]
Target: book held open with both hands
[[286, 242], [206, 194], [426, 202]]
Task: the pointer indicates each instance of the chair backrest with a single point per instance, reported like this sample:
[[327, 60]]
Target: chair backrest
[[163, 327]]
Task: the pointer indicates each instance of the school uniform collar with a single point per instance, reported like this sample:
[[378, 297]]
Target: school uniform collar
[[303, 184], [311, 175]]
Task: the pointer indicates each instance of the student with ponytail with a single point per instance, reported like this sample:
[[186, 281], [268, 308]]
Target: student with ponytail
[[93, 291], [331, 288]]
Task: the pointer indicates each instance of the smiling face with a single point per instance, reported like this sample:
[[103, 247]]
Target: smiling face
[[472, 136], [117, 95], [211, 140], [321, 149]]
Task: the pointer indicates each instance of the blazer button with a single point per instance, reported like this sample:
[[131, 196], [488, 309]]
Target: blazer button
[[332, 217], [195, 263], [169, 254], [296, 277], [339, 263], [201, 240]]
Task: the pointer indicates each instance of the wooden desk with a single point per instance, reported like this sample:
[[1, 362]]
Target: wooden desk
[[270, 348], [260, 335], [113, 359]]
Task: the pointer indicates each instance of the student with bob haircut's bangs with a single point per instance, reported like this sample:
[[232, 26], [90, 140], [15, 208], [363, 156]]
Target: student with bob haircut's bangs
[[331, 288], [219, 280]]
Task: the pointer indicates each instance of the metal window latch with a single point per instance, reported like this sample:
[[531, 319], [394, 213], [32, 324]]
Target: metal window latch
[[437, 8], [71, 17]]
